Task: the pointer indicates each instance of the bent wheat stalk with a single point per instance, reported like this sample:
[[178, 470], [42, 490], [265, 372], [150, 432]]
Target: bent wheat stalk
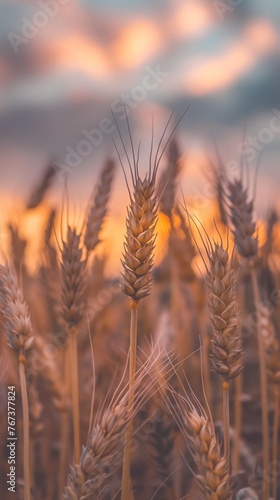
[[103, 451]]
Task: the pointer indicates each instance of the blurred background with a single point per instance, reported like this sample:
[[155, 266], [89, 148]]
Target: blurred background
[[65, 65]]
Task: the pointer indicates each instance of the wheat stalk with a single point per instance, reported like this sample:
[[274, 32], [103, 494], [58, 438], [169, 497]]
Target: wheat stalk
[[246, 240], [137, 277], [225, 346], [20, 338], [272, 348], [73, 307]]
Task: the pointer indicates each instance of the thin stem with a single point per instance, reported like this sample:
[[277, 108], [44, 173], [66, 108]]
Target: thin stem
[[206, 365], [26, 444], [226, 423], [75, 393], [275, 439], [64, 422], [126, 494], [237, 422], [264, 400]]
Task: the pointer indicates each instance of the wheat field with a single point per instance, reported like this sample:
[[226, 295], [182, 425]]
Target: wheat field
[[160, 383]]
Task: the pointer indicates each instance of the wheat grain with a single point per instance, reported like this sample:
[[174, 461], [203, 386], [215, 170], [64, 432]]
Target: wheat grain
[[225, 343], [213, 475], [15, 310], [244, 226], [140, 240], [73, 280], [198, 429], [168, 179]]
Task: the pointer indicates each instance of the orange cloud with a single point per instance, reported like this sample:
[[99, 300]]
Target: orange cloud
[[78, 52], [137, 43], [191, 18], [220, 71]]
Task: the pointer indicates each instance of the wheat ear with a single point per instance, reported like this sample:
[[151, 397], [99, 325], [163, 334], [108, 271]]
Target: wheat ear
[[20, 338], [99, 206], [103, 452], [40, 190], [225, 345], [246, 240], [73, 307], [161, 446], [168, 180], [198, 429]]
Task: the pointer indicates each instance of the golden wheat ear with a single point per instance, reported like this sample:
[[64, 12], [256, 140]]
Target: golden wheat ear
[[138, 256], [225, 346], [107, 438], [73, 279], [197, 427]]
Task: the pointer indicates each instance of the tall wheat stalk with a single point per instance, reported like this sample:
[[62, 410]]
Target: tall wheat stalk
[[237, 422], [137, 277], [26, 437], [272, 348], [264, 395], [73, 306], [225, 344], [20, 338], [244, 229], [276, 438]]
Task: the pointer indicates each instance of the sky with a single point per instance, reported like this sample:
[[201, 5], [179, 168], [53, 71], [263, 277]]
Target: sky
[[66, 64]]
